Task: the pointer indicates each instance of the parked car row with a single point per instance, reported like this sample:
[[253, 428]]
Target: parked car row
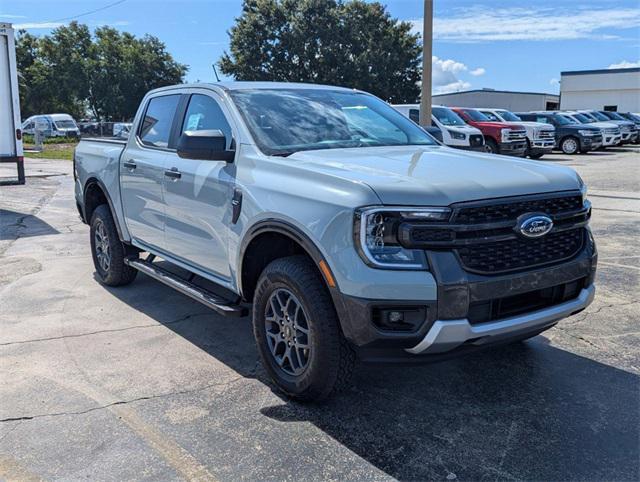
[[530, 134]]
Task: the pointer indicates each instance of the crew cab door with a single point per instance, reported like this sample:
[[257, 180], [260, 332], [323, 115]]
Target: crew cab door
[[142, 171], [198, 193]]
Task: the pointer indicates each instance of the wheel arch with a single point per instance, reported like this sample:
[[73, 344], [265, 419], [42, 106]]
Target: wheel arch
[[280, 238], [95, 193]]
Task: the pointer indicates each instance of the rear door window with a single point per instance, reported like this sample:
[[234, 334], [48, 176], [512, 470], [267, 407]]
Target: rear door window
[[155, 128]]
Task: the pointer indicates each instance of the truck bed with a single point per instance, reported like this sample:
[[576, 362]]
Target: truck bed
[[99, 159]]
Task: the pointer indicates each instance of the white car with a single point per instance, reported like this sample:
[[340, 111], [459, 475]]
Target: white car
[[455, 131], [57, 125], [611, 135], [541, 137]]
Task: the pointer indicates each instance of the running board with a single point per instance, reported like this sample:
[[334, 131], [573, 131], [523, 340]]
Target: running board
[[207, 298]]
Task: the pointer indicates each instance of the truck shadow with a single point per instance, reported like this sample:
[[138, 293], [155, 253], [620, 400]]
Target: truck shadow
[[14, 224], [526, 411]]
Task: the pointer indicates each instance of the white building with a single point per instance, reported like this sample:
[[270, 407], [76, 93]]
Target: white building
[[499, 99], [608, 89]]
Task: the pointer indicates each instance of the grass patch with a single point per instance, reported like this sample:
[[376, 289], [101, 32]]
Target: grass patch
[[52, 151]]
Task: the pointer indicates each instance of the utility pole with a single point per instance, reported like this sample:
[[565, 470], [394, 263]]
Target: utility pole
[[427, 49]]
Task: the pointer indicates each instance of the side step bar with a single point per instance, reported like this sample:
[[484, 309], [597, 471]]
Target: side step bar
[[207, 298]]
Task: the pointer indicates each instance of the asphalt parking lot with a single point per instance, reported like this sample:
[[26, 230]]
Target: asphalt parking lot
[[143, 383]]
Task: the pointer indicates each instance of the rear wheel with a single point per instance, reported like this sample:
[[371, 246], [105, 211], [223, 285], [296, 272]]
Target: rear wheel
[[570, 145], [297, 331], [108, 251]]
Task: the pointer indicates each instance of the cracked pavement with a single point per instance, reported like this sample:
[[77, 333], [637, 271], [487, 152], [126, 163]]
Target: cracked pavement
[[143, 383]]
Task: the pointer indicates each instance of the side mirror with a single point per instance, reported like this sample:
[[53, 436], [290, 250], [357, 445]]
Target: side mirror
[[205, 145]]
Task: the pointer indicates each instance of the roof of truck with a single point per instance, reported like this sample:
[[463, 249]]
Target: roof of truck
[[245, 85]]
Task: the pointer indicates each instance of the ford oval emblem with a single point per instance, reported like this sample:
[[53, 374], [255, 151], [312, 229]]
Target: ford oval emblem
[[535, 226]]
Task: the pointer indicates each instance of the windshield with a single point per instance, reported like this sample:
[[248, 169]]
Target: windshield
[[599, 116], [582, 118], [491, 116], [447, 117], [563, 121], [476, 116], [615, 116], [65, 124], [509, 116], [284, 121]]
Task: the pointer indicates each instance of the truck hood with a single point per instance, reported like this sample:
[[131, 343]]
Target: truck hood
[[466, 129], [499, 125], [437, 176], [603, 125], [538, 125]]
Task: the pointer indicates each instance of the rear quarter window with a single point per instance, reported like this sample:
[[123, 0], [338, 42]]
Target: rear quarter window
[[155, 128]]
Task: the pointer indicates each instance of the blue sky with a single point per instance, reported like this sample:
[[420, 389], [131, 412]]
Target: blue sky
[[477, 43]]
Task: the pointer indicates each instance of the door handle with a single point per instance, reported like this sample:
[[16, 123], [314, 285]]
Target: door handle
[[129, 164], [173, 173]]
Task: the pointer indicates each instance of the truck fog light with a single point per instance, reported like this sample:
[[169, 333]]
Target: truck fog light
[[395, 316]]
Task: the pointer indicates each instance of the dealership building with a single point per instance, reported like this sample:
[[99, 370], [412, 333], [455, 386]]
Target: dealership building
[[608, 89], [499, 99]]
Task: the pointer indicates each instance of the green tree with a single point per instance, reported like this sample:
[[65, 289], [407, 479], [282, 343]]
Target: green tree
[[76, 72], [352, 43]]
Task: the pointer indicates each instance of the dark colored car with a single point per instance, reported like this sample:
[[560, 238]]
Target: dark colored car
[[635, 118], [570, 137]]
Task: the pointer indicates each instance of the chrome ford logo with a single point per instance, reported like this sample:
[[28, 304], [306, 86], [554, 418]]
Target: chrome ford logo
[[535, 226]]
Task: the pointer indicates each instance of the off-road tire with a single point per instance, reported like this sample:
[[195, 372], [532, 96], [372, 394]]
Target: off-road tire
[[117, 272], [331, 359]]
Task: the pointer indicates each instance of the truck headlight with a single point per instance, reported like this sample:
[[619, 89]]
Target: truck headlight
[[376, 236], [586, 133], [457, 135], [505, 134]]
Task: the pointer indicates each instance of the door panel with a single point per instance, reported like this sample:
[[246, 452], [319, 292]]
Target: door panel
[[198, 202], [142, 172]]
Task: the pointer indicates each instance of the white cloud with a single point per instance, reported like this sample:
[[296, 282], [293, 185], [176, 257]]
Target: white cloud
[[444, 75], [6, 15], [486, 23], [36, 25], [478, 71], [554, 81], [50, 25], [624, 65]]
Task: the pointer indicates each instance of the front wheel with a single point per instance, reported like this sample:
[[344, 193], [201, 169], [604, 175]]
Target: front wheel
[[297, 331], [570, 145], [491, 146]]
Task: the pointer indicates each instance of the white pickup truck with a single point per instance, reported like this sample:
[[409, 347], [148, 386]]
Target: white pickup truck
[[540, 136], [341, 225], [454, 131]]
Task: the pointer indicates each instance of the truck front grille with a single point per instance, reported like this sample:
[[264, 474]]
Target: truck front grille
[[503, 211], [548, 134], [485, 235], [517, 136], [516, 254]]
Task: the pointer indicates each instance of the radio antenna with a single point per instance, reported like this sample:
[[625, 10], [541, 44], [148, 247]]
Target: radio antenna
[[215, 72]]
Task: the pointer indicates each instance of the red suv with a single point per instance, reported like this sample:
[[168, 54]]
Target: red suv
[[499, 137]]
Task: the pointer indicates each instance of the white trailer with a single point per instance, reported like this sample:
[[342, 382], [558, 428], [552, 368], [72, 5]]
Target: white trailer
[[10, 125]]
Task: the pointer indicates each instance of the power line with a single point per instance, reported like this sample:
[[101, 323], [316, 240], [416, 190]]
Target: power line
[[87, 13]]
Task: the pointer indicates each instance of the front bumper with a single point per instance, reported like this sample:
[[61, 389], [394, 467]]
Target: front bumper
[[513, 148], [588, 143], [446, 335], [611, 140], [450, 326]]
